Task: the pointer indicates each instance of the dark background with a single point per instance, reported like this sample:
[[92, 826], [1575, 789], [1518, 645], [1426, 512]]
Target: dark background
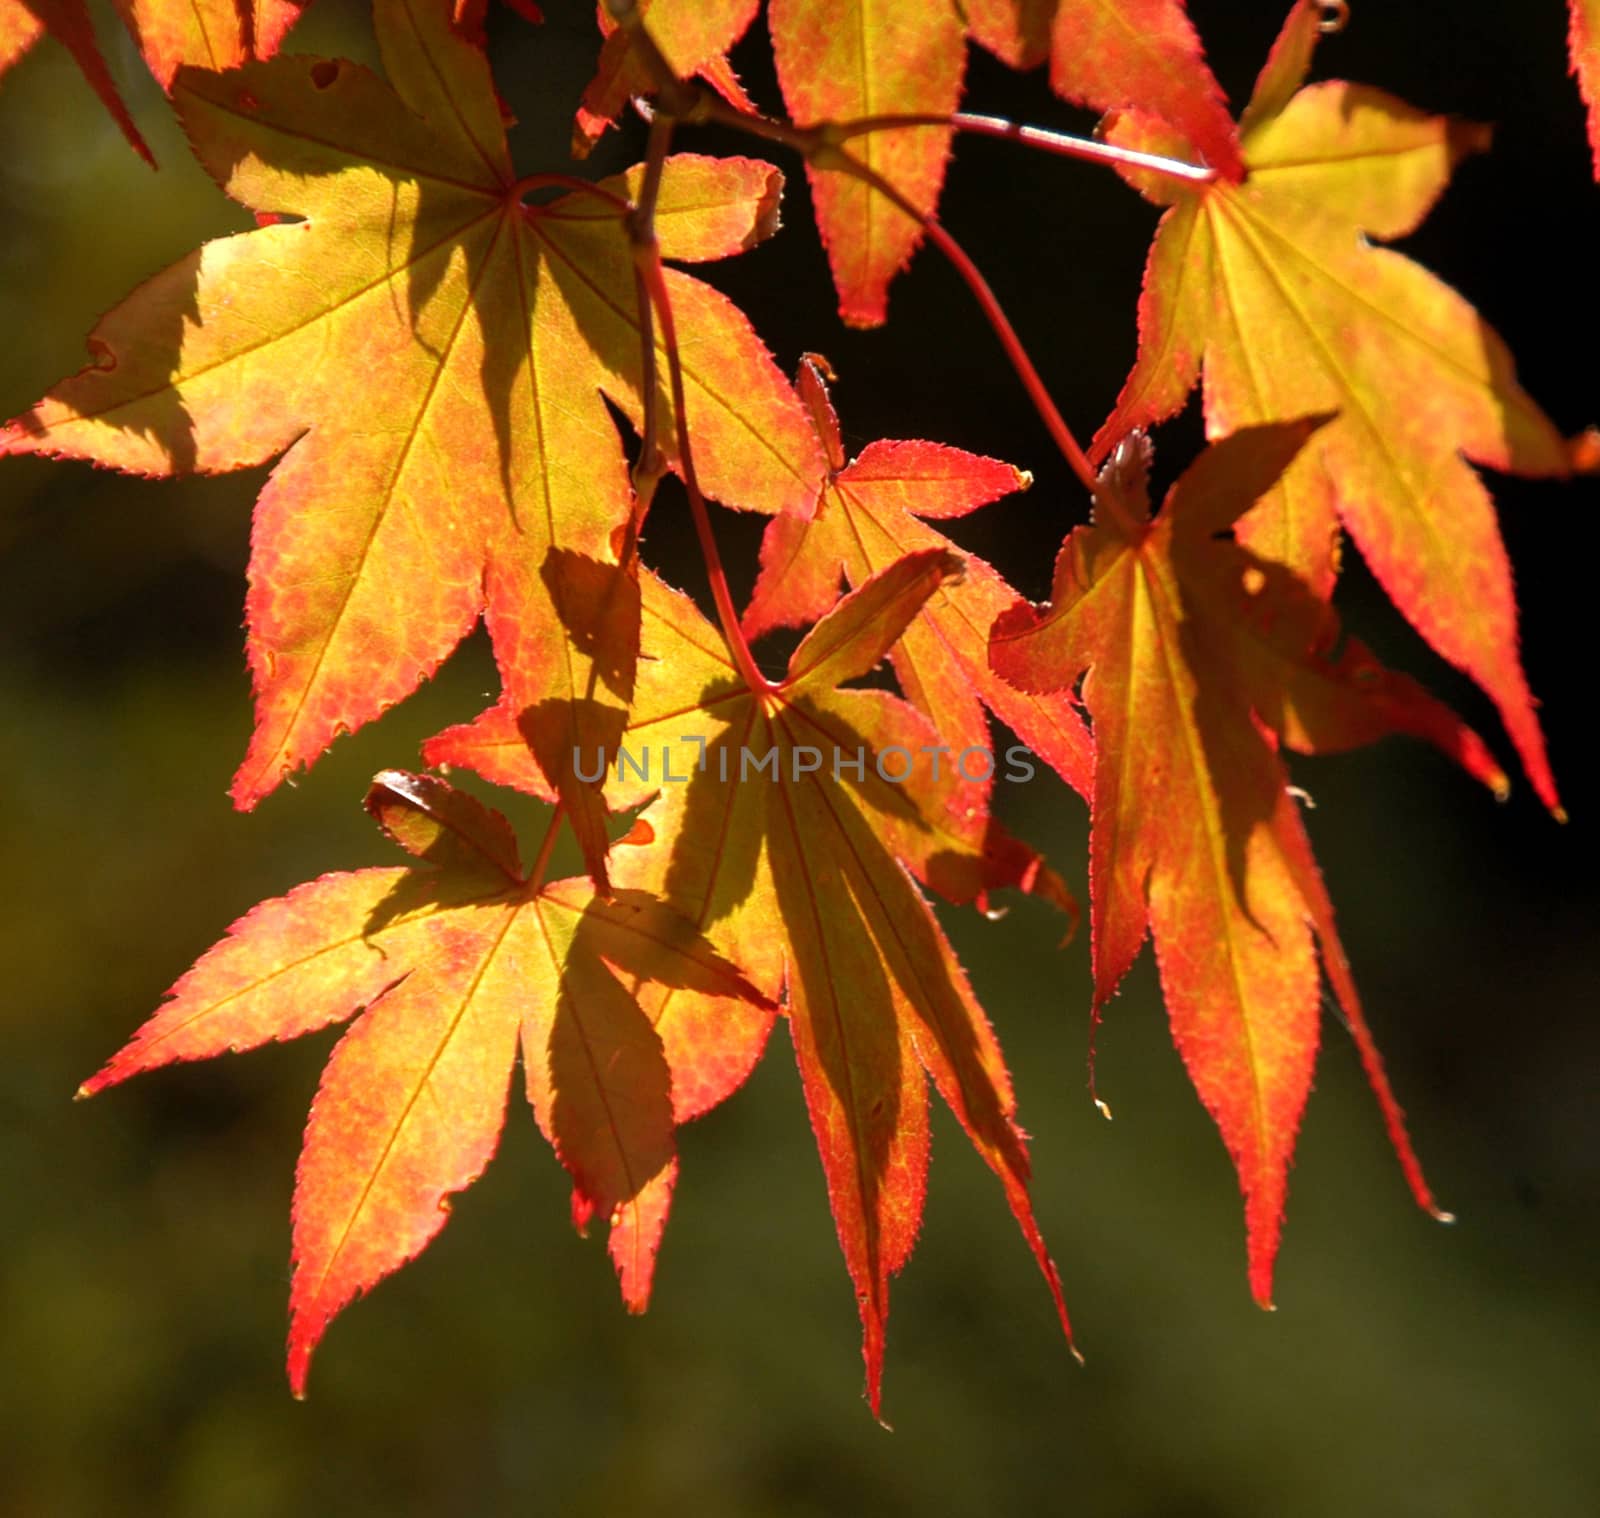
[[1410, 1370]]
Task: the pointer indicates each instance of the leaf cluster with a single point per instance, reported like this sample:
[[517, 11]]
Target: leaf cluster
[[471, 380]]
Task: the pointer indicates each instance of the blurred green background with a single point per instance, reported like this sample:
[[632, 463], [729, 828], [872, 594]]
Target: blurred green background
[[1411, 1369]]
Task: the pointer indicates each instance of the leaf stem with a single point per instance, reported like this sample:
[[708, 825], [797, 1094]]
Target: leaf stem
[[1104, 492], [651, 282], [640, 222], [727, 614], [531, 182], [994, 313], [547, 846], [1062, 144]]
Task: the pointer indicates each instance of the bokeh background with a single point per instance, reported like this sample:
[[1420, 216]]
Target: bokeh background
[[1411, 1369]]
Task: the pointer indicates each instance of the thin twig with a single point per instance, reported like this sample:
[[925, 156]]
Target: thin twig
[[1062, 144], [651, 282], [727, 614], [531, 182], [822, 147], [1038, 392], [641, 227]]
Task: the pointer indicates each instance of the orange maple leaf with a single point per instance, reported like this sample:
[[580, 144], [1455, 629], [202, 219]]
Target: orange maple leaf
[[434, 355], [843, 59], [1197, 657], [1271, 291], [870, 511], [785, 822], [453, 965]]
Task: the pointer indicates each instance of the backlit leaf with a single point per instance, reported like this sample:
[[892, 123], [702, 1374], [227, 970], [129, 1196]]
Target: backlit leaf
[[841, 59], [453, 965], [1272, 291], [1196, 658], [795, 866], [434, 356], [871, 511], [211, 34]]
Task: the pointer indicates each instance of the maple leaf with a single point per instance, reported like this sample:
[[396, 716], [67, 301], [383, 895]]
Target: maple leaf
[[1196, 655], [1272, 291], [211, 34], [453, 965], [694, 37], [1584, 44], [785, 822], [868, 515], [23, 22], [433, 354], [840, 60]]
